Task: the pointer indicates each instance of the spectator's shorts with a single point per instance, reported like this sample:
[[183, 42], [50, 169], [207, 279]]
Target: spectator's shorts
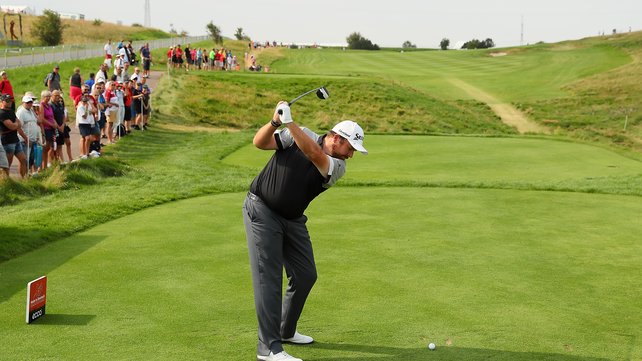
[[113, 116], [128, 113], [95, 129], [50, 134], [3, 159], [102, 121], [146, 64], [67, 133], [13, 148], [85, 129]]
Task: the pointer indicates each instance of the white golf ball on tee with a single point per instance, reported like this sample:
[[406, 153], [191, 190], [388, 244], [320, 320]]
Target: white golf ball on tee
[[431, 346]]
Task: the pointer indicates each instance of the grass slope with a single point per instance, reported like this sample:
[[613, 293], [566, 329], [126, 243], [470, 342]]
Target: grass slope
[[78, 32]]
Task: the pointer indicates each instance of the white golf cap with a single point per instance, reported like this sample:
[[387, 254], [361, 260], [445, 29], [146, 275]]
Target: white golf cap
[[351, 131], [28, 98]]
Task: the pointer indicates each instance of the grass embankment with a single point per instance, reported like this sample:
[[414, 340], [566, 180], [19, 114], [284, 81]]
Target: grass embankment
[[79, 32]]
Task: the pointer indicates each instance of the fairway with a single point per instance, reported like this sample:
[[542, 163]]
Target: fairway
[[502, 274], [526, 75]]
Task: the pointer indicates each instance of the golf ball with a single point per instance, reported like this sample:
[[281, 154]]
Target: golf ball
[[431, 346]]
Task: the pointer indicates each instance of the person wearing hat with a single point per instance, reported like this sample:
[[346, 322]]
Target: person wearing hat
[[6, 88], [86, 120], [10, 128], [53, 79], [303, 166], [31, 127]]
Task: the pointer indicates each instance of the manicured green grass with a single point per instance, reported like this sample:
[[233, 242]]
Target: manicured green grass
[[515, 163], [536, 73], [452, 240], [501, 274]]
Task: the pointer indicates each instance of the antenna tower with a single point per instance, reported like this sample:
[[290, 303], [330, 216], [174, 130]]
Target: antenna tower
[[521, 40], [148, 15]]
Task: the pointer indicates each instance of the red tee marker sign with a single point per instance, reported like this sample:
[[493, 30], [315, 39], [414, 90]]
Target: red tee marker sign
[[36, 298]]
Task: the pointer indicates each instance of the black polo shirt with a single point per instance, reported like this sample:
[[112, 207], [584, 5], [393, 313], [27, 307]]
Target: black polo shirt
[[290, 181]]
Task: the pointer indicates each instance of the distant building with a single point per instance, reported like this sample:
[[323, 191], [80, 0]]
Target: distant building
[[17, 9], [72, 16]]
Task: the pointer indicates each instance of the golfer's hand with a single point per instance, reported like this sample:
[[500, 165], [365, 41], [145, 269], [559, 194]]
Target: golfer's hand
[[283, 110]]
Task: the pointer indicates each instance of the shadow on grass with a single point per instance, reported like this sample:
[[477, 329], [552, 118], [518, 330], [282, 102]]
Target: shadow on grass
[[59, 319], [17, 272], [384, 353]]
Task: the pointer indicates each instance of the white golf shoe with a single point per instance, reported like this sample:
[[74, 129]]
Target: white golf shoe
[[299, 339], [281, 356]]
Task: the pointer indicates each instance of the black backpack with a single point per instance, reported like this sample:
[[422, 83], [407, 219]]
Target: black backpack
[[121, 130]]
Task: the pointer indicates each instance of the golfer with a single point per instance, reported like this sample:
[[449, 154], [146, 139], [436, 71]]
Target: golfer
[[304, 164]]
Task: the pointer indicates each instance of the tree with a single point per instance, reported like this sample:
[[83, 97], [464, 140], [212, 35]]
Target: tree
[[48, 28], [356, 41], [407, 44], [444, 44], [476, 44], [239, 34], [214, 32]]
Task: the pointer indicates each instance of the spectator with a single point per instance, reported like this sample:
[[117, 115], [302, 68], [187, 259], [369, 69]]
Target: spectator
[[85, 120], [170, 57], [48, 123], [119, 63], [127, 101], [122, 52], [53, 79], [137, 105], [10, 128], [31, 127], [189, 59], [91, 81], [131, 54], [64, 132], [6, 88], [102, 73], [111, 111], [212, 58], [98, 92], [146, 106], [178, 56], [146, 55], [125, 72], [136, 75], [75, 82], [109, 52]]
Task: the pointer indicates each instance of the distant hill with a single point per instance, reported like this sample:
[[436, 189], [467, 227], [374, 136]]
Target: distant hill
[[88, 32]]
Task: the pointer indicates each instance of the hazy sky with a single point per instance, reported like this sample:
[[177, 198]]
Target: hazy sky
[[387, 23]]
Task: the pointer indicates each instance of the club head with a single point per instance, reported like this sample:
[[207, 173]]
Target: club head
[[323, 93]]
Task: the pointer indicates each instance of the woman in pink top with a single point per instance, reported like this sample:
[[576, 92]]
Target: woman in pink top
[[50, 129]]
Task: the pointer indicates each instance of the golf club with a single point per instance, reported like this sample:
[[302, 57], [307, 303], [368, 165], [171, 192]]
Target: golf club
[[322, 93]]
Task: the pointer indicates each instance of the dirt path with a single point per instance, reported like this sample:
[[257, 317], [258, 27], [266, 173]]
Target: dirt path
[[152, 81], [508, 113]]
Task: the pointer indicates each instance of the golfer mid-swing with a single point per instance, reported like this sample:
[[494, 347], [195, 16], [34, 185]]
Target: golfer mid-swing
[[304, 164]]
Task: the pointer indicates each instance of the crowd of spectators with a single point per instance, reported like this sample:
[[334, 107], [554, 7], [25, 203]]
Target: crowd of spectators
[[108, 105], [189, 58]]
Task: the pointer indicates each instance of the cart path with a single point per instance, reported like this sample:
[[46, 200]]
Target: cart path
[[509, 114]]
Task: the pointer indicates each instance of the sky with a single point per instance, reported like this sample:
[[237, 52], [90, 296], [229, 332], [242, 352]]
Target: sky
[[386, 23]]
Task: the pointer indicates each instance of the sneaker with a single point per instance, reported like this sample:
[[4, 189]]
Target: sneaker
[[281, 356], [83, 157], [104, 136], [299, 339]]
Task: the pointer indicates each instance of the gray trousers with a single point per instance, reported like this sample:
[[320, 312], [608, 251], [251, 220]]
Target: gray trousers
[[274, 243]]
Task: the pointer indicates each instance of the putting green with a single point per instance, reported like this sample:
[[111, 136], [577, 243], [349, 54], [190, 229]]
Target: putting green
[[501, 274]]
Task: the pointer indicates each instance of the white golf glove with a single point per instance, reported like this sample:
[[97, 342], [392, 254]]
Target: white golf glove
[[284, 113]]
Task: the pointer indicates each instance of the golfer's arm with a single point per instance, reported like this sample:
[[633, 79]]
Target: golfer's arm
[[264, 138], [310, 148]]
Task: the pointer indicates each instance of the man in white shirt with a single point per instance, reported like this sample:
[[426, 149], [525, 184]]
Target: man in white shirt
[[108, 53]]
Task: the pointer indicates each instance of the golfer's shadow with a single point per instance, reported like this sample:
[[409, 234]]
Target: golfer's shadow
[[383, 353]]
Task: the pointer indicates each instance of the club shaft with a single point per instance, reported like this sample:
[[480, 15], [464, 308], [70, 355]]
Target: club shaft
[[302, 95]]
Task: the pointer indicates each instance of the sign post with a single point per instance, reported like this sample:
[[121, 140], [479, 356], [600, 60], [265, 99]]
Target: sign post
[[36, 298]]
